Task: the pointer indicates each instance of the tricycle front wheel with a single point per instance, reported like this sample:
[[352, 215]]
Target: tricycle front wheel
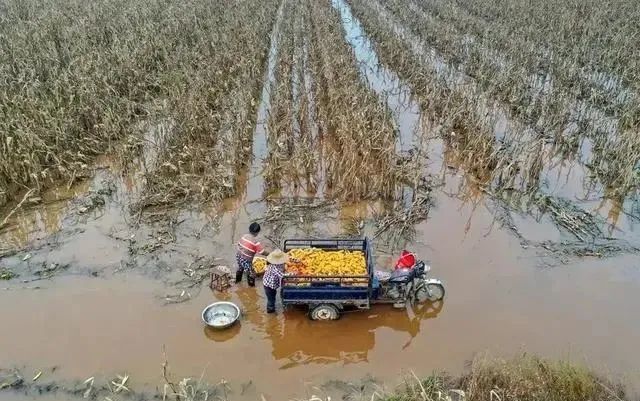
[[324, 312], [429, 292]]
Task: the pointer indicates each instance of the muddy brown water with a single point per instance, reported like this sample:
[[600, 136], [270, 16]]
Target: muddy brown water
[[499, 298]]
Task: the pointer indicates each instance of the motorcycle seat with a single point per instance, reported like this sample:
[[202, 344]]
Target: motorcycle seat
[[382, 276]]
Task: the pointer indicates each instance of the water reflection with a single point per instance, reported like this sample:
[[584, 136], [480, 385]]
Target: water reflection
[[298, 341], [252, 306], [222, 335], [42, 219]]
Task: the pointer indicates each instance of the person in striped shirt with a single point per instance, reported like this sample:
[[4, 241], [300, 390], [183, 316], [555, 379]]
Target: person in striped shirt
[[248, 247]]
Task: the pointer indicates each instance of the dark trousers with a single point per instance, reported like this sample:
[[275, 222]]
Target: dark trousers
[[251, 279], [244, 265], [271, 299]]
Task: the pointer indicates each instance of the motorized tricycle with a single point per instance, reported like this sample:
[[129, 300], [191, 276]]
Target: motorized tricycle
[[327, 297]]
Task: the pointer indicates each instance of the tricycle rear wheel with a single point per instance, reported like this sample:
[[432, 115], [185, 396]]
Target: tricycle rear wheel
[[324, 312]]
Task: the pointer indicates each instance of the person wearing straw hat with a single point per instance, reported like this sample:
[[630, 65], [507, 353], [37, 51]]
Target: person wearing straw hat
[[273, 275]]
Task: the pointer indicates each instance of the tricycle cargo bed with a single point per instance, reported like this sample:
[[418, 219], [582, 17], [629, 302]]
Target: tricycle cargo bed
[[299, 289], [328, 244]]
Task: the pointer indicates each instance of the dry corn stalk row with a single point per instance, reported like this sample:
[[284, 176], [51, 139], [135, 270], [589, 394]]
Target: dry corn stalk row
[[512, 167], [296, 217], [468, 133], [213, 110], [310, 165], [538, 99], [280, 119], [558, 89], [81, 77], [585, 227], [573, 98], [515, 160], [588, 57], [75, 77], [396, 227], [294, 148], [304, 163], [455, 78], [359, 131], [568, 95]]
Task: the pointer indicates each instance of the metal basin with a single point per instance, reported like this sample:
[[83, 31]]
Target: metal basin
[[221, 315]]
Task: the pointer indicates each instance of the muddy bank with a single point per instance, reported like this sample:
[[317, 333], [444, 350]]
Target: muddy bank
[[524, 377]]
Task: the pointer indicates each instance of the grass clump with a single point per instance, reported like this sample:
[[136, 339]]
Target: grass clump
[[6, 274], [533, 378], [525, 378]]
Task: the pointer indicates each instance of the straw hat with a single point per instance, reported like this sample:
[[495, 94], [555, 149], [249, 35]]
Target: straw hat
[[277, 257]]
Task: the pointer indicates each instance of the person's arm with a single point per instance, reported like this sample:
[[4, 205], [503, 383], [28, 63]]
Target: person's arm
[[280, 272], [260, 250]]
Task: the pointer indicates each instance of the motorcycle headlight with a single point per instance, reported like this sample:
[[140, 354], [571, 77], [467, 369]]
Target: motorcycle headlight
[[427, 267]]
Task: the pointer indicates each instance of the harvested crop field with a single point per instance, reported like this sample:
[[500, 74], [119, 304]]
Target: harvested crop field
[[499, 139]]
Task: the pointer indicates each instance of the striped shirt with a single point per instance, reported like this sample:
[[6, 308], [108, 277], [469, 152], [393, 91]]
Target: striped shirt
[[273, 276], [249, 246]]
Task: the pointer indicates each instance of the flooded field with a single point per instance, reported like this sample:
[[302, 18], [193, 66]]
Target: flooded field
[[351, 120], [497, 301]]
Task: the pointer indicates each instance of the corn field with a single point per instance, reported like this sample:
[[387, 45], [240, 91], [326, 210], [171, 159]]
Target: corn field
[[512, 90]]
